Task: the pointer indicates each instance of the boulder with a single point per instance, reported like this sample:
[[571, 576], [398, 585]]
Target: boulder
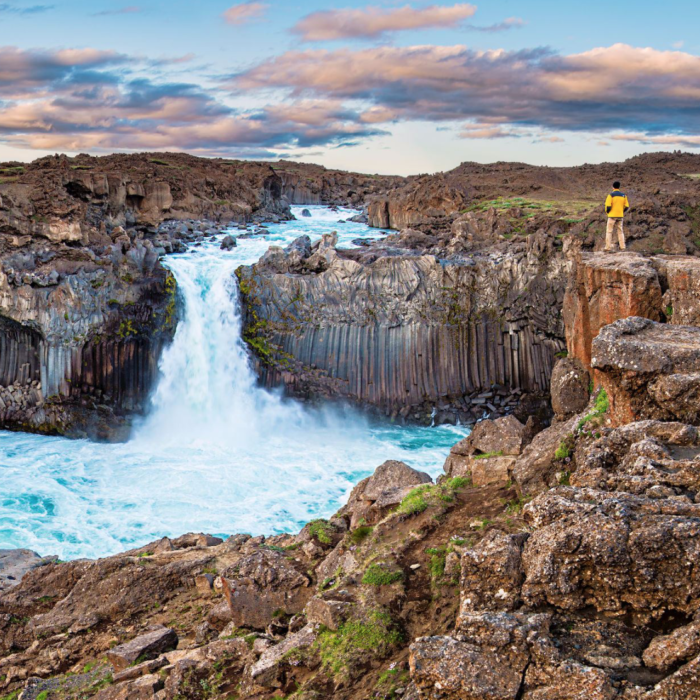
[[486, 661], [488, 452], [681, 300], [147, 646], [492, 573], [570, 387], [387, 487], [228, 243], [535, 469], [649, 370], [613, 552], [265, 671], [305, 212], [669, 650], [262, 583]]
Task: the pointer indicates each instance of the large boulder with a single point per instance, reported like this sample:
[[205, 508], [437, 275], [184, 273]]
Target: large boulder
[[649, 370], [613, 552], [387, 487], [261, 584], [487, 454], [570, 387]]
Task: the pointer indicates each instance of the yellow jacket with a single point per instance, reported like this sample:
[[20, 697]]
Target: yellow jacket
[[616, 204]]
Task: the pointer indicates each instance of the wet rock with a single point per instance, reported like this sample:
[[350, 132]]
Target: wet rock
[[15, 563], [147, 645], [305, 212], [228, 243]]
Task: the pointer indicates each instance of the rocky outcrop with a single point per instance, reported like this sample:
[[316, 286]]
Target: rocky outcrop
[[606, 288], [649, 370], [406, 334]]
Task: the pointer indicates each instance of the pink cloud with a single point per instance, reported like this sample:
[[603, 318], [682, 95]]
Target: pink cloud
[[244, 13], [372, 22]]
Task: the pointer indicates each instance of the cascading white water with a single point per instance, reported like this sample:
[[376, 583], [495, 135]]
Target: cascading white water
[[217, 453]]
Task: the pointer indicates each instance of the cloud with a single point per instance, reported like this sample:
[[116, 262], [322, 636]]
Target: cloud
[[678, 44], [374, 22], [244, 13], [88, 100], [130, 10], [6, 8], [617, 87], [509, 23]]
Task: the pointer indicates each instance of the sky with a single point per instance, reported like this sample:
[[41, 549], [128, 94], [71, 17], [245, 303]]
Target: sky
[[380, 87]]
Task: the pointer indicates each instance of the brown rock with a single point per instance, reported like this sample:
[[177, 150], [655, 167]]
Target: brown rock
[[649, 370], [603, 289], [329, 613], [570, 387], [387, 487], [492, 574], [534, 470], [147, 645], [669, 650], [262, 583], [265, 671], [490, 471], [502, 437]]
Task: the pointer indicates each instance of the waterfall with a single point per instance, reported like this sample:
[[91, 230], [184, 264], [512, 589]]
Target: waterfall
[[217, 453]]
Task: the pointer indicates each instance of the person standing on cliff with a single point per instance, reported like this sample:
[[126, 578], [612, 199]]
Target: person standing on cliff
[[616, 206]]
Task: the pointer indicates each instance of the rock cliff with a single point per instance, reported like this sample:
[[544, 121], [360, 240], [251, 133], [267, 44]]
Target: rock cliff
[[407, 333]]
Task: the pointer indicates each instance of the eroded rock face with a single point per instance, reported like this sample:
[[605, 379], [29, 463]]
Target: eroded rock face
[[649, 370], [606, 288]]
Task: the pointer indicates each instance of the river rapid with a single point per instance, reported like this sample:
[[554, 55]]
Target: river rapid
[[216, 453]]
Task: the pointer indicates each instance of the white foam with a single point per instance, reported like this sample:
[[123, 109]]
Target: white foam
[[217, 453]]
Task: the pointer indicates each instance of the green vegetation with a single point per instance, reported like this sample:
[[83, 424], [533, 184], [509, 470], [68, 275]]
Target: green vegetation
[[126, 329], [565, 479], [360, 534], [531, 206], [669, 311], [422, 497], [565, 447], [381, 575], [600, 408], [515, 507], [561, 353], [488, 455], [11, 696], [389, 683], [375, 635], [438, 556], [322, 530]]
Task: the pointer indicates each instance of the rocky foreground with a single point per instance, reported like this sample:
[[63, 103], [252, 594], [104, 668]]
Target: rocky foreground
[[545, 564]]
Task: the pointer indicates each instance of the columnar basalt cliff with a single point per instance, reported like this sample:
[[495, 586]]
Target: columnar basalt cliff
[[407, 333]]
